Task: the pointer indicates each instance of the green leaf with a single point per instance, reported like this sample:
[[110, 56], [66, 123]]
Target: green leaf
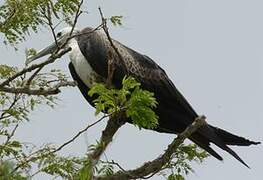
[[116, 20], [138, 104]]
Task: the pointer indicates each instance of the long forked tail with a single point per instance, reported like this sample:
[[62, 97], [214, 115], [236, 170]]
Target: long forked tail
[[221, 138], [231, 139]]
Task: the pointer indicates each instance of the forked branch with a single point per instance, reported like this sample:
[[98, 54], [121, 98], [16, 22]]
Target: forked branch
[[156, 165]]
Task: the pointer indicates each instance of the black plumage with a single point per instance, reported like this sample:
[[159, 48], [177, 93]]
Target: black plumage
[[174, 112]]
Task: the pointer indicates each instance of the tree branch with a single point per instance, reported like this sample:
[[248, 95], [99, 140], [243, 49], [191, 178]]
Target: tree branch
[[34, 156], [114, 123], [9, 136], [157, 164], [105, 28], [78, 134], [49, 91], [111, 63], [51, 59], [30, 79]]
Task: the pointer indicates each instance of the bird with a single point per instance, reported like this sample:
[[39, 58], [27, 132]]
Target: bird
[[88, 65]]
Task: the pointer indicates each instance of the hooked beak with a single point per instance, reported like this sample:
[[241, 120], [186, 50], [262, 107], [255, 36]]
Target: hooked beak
[[48, 50]]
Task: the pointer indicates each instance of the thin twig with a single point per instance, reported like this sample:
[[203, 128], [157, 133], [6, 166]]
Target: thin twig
[[78, 13], [79, 133], [33, 76], [87, 33], [113, 163], [11, 135], [31, 157], [105, 28], [16, 98], [111, 65], [49, 23], [51, 59], [71, 35]]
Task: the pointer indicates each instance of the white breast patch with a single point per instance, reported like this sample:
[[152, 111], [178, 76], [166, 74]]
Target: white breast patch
[[81, 65]]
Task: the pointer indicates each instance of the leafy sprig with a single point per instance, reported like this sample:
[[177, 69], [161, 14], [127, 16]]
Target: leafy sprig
[[138, 104]]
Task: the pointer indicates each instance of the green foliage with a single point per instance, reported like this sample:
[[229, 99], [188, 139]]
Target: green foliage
[[180, 165], [137, 103], [85, 172], [6, 167], [116, 20], [6, 71], [49, 162], [18, 17], [106, 169], [175, 177], [15, 108], [10, 147], [30, 52], [64, 167]]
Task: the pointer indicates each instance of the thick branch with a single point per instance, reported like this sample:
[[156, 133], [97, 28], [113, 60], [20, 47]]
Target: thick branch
[[157, 164], [114, 123]]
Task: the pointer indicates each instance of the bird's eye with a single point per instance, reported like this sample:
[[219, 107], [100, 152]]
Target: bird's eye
[[59, 34]]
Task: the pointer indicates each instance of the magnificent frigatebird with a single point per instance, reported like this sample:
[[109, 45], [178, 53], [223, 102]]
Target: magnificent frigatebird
[[89, 64]]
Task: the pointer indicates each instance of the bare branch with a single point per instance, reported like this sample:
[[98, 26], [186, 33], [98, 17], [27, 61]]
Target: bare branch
[[111, 63], [79, 133], [155, 165], [78, 13]]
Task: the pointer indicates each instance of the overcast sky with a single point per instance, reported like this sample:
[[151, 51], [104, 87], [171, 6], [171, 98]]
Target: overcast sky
[[212, 51]]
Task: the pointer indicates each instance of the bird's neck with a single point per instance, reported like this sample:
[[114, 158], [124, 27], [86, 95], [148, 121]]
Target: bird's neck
[[81, 64]]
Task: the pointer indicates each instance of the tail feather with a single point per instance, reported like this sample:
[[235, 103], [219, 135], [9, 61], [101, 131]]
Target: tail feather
[[231, 139], [204, 143], [220, 138], [235, 155]]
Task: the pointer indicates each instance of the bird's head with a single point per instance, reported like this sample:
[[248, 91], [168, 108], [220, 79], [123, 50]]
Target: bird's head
[[62, 37]]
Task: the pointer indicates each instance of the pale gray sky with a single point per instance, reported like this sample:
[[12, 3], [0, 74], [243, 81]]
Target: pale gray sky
[[212, 51]]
